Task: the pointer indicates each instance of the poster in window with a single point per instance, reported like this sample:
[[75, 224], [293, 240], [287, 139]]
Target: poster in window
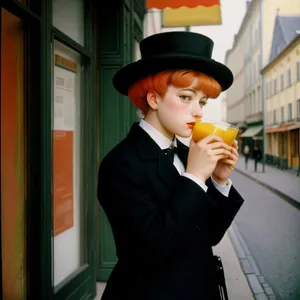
[[63, 143]]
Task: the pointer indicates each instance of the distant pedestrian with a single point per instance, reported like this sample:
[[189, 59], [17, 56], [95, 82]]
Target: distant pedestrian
[[246, 154], [257, 155]]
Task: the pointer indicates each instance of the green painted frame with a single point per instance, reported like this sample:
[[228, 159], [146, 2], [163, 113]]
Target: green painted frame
[[37, 19], [119, 30]]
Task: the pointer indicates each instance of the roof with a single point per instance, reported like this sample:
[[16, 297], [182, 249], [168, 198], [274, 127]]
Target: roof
[[285, 31]]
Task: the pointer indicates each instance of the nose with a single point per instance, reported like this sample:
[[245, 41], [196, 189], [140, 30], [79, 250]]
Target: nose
[[197, 111]]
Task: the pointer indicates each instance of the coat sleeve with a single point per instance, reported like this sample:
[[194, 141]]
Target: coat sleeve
[[148, 231], [226, 210]]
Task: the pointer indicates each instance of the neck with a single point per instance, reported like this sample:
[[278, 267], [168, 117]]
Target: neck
[[151, 118]]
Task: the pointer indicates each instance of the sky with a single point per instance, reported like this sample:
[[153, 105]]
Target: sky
[[233, 12]]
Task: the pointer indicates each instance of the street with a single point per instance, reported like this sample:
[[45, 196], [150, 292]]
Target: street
[[270, 227]]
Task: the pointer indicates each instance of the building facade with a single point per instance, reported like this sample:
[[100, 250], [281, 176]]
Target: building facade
[[250, 52], [282, 85], [59, 116]]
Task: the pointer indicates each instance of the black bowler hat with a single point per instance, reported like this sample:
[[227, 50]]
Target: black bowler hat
[[173, 51]]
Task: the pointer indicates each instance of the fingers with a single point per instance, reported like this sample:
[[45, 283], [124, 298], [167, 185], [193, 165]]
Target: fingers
[[235, 145], [231, 163], [210, 139], [224, 152], [234, 152], [217, 145], [214, 142]]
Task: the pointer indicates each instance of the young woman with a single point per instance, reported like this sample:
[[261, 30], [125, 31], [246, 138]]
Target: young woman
[[168, 204]]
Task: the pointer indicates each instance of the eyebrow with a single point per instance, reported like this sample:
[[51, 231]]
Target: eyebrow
[[189, 90], [194, 92]]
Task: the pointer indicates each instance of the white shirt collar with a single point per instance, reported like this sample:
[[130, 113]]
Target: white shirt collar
[[162, 141]]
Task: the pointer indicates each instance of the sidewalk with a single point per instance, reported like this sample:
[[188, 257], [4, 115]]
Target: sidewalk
[[237, 284], [285, 183]]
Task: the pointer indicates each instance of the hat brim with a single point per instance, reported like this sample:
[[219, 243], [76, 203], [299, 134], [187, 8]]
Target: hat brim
[[135, 71]]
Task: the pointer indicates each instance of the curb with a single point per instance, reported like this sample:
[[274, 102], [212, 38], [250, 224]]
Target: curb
[[259, 286], [284, 196]]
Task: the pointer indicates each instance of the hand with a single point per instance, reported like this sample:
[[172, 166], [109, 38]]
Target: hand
[[204, 155], [225, 166]]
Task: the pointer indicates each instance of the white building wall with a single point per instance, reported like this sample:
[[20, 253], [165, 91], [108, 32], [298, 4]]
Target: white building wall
[[248, 47]]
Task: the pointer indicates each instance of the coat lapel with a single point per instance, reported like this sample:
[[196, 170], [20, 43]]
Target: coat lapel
[[166, 169], [149, 151], [182, 152]]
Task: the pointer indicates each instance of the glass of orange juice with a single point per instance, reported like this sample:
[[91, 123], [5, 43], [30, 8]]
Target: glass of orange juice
[[205, 127]]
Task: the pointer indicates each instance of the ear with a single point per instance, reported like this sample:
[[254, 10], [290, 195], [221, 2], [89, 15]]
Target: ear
[[153, 99]]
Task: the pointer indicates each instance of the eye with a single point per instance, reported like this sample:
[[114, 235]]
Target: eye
[[185, 98], [202, 103]]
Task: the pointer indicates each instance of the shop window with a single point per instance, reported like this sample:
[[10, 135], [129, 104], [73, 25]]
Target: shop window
[[68, 206], [68, 17]]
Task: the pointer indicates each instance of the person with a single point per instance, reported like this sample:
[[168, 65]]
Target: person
[[168, 204], [257, 155], [246, 154]]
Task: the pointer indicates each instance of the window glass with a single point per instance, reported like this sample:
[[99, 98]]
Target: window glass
[[68, 17], [67, 201]]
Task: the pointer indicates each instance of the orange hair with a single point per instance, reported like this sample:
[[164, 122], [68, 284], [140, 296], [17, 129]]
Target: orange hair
[[137, 93]]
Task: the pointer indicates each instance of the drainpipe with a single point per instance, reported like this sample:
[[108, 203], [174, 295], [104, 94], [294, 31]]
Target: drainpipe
[[262, 84]]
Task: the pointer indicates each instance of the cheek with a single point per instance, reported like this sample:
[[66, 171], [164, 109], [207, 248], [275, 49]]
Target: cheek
[[177, 106]]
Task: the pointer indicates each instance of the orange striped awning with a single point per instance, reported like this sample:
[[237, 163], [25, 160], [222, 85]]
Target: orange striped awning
[[162, 4], [177, 13]]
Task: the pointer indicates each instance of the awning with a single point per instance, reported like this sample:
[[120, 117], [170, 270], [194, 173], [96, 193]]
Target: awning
[[277, 129], [162, 4], [252, 131], [177, 13], [295, 126]]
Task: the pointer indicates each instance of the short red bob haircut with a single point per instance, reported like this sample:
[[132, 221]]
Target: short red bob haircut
[[159, 82]]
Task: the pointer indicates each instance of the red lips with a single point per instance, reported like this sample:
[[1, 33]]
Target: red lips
[[191, 124]]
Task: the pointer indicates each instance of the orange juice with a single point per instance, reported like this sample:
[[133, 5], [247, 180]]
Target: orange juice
[[225, 131]]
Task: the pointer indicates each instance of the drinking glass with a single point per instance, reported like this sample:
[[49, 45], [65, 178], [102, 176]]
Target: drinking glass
[[205, 127]]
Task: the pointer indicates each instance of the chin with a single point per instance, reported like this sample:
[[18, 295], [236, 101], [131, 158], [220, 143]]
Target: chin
[[185, 140], [184, 134]]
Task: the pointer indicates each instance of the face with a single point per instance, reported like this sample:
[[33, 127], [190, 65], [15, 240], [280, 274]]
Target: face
[[178, 109]]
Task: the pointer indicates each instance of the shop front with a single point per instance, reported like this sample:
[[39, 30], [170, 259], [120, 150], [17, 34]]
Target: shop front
[[252, 136], [283, 146], [59, 116]]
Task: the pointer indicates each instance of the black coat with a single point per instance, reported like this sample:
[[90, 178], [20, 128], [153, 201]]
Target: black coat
[[164, 224]]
